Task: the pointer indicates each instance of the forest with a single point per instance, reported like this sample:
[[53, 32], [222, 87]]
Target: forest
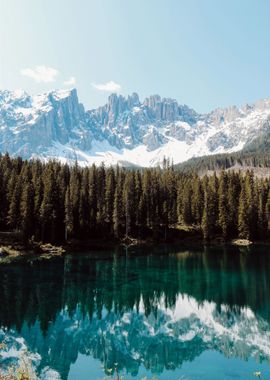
[[224, 161], [54, 202]]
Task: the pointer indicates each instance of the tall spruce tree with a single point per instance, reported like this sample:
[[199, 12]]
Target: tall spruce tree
[[223, 211], [109, 198], [209, 211], [117, 210], [69, 221], [27, 211], [49, 206], [243, 215]]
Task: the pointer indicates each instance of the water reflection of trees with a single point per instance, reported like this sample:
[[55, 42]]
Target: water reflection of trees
[[41, 290], [38, 294]]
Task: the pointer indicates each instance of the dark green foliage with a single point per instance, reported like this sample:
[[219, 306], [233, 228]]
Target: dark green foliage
[[210, 216], [238, 160], [54, 202], [27, 210], [243, 215], [223, 205], [259, 144]]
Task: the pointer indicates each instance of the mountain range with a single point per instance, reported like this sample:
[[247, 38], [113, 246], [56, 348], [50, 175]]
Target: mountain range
[[55, 125]]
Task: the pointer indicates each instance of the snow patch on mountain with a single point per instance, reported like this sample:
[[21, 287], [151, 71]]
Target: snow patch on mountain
[[55, 125]]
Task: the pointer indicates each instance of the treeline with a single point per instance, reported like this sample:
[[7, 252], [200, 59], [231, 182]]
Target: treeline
[[224, 161], [53, 202]]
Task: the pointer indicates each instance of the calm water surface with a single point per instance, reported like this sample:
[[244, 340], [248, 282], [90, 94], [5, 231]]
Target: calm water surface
[[170, 312]]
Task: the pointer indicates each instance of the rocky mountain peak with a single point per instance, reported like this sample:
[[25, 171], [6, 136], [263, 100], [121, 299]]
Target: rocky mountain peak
[[133, 100], [221, 115], [56, 125]]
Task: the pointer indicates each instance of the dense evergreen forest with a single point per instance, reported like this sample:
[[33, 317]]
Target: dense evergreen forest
[[224, 161], [53, 202]]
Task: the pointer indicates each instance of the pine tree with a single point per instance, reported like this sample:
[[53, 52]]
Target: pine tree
[[117, 210], [233, 203], [93, 199], [138, 196], [14, 196], [209, 211], [262, 220], [213, 191], [197, 201], [49, 206], [243, 215], [74, 190], [171, 198], [267, 208], [27, 211], [206, 218], [109, 197], [128, 201], [186, 204], [69, 222], [101, 183], [223, 216], [84, 209], [147, 198]]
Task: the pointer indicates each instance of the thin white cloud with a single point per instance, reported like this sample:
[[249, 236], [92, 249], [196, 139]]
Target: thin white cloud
[[110, 86], [41, 74], [70, 82]]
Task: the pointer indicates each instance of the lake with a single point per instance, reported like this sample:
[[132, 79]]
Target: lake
[[169, 312]]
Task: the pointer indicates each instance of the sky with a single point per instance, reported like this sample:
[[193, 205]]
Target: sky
[[203, 53]]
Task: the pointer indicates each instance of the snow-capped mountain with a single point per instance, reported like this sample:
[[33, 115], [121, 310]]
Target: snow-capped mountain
[[125, 130]]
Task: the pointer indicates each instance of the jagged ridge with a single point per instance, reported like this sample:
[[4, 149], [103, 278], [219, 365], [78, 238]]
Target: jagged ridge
[[125, 130]]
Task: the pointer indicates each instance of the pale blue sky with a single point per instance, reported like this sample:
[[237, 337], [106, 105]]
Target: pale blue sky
[[204, 53]]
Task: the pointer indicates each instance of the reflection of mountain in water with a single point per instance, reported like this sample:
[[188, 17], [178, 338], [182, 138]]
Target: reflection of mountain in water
[[158, 311]]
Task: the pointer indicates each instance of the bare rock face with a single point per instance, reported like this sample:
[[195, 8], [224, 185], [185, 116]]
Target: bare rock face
[[220, 139], [116, 106], [225, 115], [127, 122], [29, 125], [170, 110], [166, 109], [153, 139], [133, 100], [154, 105], [68, 115], [55, 124]]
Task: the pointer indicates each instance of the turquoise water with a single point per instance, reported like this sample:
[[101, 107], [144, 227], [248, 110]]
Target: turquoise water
[[168, 312]]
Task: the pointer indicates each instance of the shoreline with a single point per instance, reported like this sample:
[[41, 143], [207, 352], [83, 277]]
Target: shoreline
[[16, 250]]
